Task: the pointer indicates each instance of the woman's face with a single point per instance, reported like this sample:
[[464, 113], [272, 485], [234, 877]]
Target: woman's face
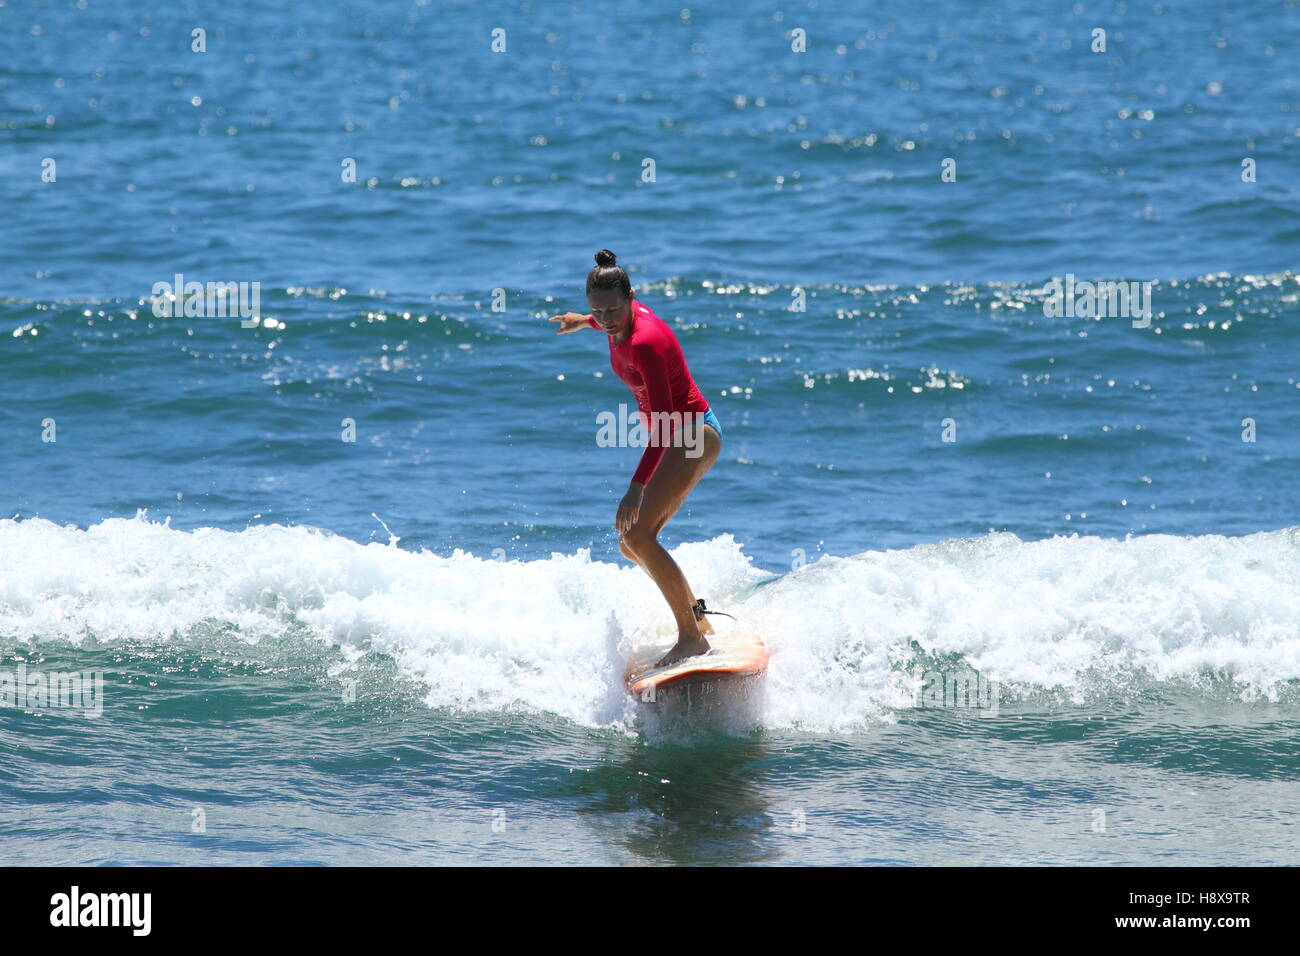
[[610, 309]]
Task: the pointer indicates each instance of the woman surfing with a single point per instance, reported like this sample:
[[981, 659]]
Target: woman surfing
[[644, 353]]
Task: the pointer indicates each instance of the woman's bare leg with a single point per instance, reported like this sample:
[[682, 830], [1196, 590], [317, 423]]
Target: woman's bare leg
[[705, 626], [668, 489]]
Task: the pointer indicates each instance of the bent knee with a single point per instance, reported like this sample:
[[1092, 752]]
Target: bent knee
[[636, 539]]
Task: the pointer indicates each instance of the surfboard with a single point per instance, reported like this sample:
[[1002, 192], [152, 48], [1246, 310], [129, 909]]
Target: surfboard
[[732, 656]]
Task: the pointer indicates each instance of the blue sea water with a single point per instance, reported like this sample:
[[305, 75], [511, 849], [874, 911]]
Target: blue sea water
[[408, 648]]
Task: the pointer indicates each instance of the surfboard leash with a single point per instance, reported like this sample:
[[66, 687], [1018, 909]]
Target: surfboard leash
[[700, 610]]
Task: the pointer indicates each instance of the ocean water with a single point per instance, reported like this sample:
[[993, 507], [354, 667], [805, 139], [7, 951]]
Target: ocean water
[[1030, 580]]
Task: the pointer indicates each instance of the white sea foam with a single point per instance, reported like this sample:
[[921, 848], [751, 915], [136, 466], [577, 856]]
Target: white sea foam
[[550, 634]]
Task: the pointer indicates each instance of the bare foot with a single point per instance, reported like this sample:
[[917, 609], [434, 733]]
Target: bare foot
[[686, 646]]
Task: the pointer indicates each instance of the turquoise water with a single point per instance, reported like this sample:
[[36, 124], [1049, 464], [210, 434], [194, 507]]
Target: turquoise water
[[408, 648]]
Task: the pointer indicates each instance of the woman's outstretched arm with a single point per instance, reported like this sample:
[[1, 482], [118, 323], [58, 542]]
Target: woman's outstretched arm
[[571, 322]]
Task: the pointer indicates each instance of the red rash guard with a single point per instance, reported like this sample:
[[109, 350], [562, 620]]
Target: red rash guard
[[651, 363]]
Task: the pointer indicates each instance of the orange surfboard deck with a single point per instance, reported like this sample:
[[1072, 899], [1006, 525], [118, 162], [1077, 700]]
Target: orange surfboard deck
[[731, 657]]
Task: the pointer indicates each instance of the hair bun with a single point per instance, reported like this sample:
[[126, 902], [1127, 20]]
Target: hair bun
[[606, 258]]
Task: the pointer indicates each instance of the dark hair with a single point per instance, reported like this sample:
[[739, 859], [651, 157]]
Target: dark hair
[[608, 274]]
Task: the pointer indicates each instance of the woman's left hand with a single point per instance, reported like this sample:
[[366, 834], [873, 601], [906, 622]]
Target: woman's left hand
[[629, 508]]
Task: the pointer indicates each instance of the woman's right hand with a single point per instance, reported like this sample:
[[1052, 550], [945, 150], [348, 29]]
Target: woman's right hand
[[569, 322]]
